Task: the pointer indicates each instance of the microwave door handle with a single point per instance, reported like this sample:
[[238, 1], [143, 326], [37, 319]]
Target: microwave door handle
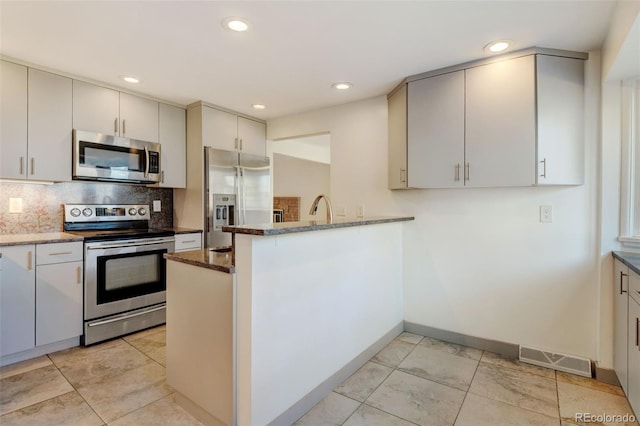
[[146, 162]]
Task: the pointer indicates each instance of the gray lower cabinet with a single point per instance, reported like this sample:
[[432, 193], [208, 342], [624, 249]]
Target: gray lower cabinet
[[17, 299], [627, 332], [40, 295], [621, 315], [633, 385]]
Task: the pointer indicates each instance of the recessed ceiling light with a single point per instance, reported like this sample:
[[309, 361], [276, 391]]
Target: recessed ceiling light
[[259, 106], [498, 46], [130, 79], [235, 24], [343, 85]]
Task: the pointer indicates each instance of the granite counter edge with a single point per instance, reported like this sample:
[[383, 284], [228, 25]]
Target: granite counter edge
[[314, 227], [632, 260], [176, 257]]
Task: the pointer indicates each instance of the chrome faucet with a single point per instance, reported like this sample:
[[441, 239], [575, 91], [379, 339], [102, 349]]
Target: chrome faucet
[[314, 207]]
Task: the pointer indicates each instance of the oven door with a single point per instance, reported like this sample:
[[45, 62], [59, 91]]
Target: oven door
[[124, 275]]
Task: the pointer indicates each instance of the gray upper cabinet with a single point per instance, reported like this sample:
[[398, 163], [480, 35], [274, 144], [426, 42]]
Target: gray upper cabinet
[[230, 132], [513, 122], [500, 119], [398, 138], [96, 108], [102, 110], [36, 124], [172, 135], [435, 131], [13, 120], [138, 118], [49, 129]]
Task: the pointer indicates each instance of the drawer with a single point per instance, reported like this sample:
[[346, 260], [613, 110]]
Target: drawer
[[58, 253], [634, 286], [188, 241]]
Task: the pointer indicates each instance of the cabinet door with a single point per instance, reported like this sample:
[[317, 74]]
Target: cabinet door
[[17, 299], [173, 138], [633, 392], [435, 131], [252, 137], [95, 108], [560, 100], [50, 124], [621, 298], [397, 110], [500, 124], [219, 129], [58, 302], [138, 118], [13, 120]]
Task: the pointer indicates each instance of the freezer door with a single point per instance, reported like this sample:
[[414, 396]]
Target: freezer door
[[254, 194], [221, 177]]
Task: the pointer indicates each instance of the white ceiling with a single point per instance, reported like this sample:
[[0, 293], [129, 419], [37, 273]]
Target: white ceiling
[[293, 51]]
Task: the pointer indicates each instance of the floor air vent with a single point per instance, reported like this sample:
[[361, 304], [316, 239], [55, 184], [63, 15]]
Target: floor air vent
[[567, 363]]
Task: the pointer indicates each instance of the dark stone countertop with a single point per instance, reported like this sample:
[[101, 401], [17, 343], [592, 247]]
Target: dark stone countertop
[[179, 230], [205, 258], [632, 260], [280, 228], [37, 238]]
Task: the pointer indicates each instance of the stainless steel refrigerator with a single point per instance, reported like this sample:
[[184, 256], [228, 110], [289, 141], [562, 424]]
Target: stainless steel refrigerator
[[237, 192]]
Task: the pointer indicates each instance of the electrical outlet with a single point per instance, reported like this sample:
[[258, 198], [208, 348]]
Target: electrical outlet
[[360, 210], [546, 214], [15, 205], [341, 210], [157, 206]]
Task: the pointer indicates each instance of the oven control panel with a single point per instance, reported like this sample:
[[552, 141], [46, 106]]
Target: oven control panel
[[105, 213]]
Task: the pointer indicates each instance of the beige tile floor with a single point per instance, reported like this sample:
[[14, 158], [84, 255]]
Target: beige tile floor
[[413, 380]]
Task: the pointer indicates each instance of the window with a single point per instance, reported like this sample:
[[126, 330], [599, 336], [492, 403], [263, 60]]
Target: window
[[630, 182]]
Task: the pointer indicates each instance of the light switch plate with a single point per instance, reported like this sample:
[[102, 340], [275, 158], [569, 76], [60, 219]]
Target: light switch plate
[[157, 206]]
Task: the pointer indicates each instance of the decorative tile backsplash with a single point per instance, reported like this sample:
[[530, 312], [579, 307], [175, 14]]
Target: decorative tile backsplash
[[42, 205], [290, 207]]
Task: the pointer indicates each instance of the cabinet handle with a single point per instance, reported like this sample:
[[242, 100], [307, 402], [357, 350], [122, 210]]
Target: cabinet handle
[[60, 253], [33, 165], [403, 175], [79, 273], [21, 165], [115, 126], [457, 178], [240, 144], [188, 241], [544, 168], [467, 172], [162, 177], [622, 274], [124, 127], [29, 258], [235, 143], [638, 332]]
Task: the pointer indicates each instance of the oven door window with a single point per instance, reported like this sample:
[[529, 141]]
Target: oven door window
[[128, 275]]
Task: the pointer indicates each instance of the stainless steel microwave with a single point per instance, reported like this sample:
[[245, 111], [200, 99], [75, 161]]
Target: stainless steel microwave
[[111, 158]]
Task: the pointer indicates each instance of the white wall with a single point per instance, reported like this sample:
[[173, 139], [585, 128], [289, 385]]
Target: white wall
[[294, 177], [300, 321], [477, 261], [313, 148]]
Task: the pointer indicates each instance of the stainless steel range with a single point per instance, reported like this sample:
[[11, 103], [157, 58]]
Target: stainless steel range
[[124, 268]]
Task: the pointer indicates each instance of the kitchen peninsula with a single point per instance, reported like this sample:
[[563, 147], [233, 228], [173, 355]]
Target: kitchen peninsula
[[303, 306]]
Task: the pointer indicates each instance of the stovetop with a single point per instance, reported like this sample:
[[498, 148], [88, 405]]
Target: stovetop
[[102, 222], [121, 234]]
